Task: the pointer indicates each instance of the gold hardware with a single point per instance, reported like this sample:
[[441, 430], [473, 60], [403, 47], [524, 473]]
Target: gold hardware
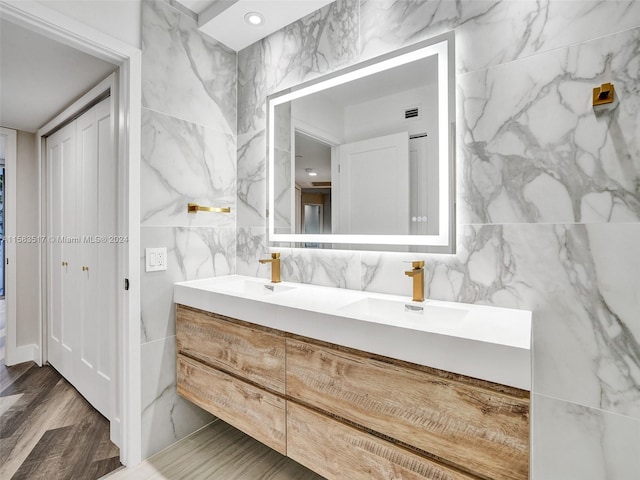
[[194, 207], [65, 264], [604, 94], [418, 280], [85, 269], [275, 266]]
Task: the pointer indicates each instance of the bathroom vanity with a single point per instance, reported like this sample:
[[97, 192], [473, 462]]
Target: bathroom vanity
[[357, 385]]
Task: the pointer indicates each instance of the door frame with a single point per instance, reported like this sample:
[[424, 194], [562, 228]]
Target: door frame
[[12, 353], [56, 26]]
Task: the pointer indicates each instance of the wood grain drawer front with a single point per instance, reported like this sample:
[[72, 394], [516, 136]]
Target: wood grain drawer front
[[252, 354], [254, 411], [337, 451], [480, 430]]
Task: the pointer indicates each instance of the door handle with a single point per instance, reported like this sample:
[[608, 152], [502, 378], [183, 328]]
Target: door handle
[[65, 264], [85, 269]]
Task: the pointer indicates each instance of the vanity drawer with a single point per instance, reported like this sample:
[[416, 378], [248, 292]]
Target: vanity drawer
[[250, 353], [337, 451], [254, 411], [481, 430]]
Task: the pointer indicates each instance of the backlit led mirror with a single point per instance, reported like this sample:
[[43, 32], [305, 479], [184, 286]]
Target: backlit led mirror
[[364, 157]]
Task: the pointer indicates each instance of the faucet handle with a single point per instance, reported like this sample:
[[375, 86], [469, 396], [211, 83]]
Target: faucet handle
[[416, 263], [275, 255]]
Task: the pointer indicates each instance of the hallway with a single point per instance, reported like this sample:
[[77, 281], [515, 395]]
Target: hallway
[[47, 429]]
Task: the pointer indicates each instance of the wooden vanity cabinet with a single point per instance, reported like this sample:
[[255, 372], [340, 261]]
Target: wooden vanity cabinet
[[234, 371], [249, 408], [235, 347], [484, 430], [338, 451], [348, 414]]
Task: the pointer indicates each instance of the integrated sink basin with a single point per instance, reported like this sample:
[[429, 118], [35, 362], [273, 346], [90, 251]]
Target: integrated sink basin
[[479, 341], [410, 314], [254, 287]]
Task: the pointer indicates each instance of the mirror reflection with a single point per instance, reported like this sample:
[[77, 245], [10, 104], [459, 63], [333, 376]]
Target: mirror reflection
[[362, 157]]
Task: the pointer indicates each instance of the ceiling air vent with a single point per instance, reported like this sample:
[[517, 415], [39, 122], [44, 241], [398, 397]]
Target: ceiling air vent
[[413, 112]]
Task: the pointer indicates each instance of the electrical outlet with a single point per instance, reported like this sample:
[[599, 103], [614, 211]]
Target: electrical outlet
[[155, 259], [161, 258]]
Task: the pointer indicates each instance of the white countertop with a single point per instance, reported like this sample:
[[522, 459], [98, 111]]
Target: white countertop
[[480, 341]]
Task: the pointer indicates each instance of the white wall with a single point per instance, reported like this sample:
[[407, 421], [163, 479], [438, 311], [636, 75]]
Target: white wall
[[119, 18], [320, 113], [27, 298], [385, 115]]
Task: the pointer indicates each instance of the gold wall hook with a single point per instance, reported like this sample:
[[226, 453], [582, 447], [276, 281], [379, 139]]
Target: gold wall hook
[[194, 207], [85, 269], [603, 95], [65, 264]]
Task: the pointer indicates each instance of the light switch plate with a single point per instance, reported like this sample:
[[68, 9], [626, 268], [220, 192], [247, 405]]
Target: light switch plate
[[155, 259]]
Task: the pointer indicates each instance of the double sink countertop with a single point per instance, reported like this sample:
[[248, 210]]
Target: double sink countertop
[[479, 341]]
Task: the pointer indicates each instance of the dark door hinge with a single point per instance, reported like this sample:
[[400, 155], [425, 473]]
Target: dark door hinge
[[126, 284]]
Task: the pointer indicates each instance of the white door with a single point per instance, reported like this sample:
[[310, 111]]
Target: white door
[[61, 334], [373, 191], [82, 261]]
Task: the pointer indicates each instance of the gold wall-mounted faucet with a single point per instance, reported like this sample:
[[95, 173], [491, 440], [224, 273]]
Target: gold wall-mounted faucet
[[417, 273], [275, 266]]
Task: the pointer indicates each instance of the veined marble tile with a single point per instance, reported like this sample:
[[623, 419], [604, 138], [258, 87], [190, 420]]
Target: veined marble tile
[[283, 127], [192, 253], [572, 441], [329, 268], [491, 32], [323, 41], [251, 246], [338, 269], [252, 179], [531, 148], [166, 417], [586, 329], [283, 194], [182, 163], [472, 275], [185, 73], [579, 281], [206, 252]]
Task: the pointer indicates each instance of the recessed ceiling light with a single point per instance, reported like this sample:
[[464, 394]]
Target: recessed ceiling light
[[311, 172], [254, 18]]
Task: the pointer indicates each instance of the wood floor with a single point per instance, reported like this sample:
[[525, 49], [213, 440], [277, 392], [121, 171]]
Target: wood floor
[[217, 452], [48, 430]]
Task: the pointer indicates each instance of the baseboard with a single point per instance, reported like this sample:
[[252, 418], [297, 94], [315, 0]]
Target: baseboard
[[25, 353], [115, 430]]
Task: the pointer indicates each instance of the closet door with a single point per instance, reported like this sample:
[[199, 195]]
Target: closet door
[[82, 261], [97, 217], [62, 333]]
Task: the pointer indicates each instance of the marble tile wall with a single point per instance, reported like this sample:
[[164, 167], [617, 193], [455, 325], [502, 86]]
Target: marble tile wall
[[548, 195], [188, 155]]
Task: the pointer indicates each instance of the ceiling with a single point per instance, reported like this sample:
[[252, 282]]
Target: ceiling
[[224, 20], [418, 74], [40, 77]]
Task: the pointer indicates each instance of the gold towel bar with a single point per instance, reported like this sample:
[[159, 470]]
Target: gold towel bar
[[194, 207]]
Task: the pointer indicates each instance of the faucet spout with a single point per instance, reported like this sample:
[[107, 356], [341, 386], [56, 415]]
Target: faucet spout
[[417, 273], [275, 266]]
